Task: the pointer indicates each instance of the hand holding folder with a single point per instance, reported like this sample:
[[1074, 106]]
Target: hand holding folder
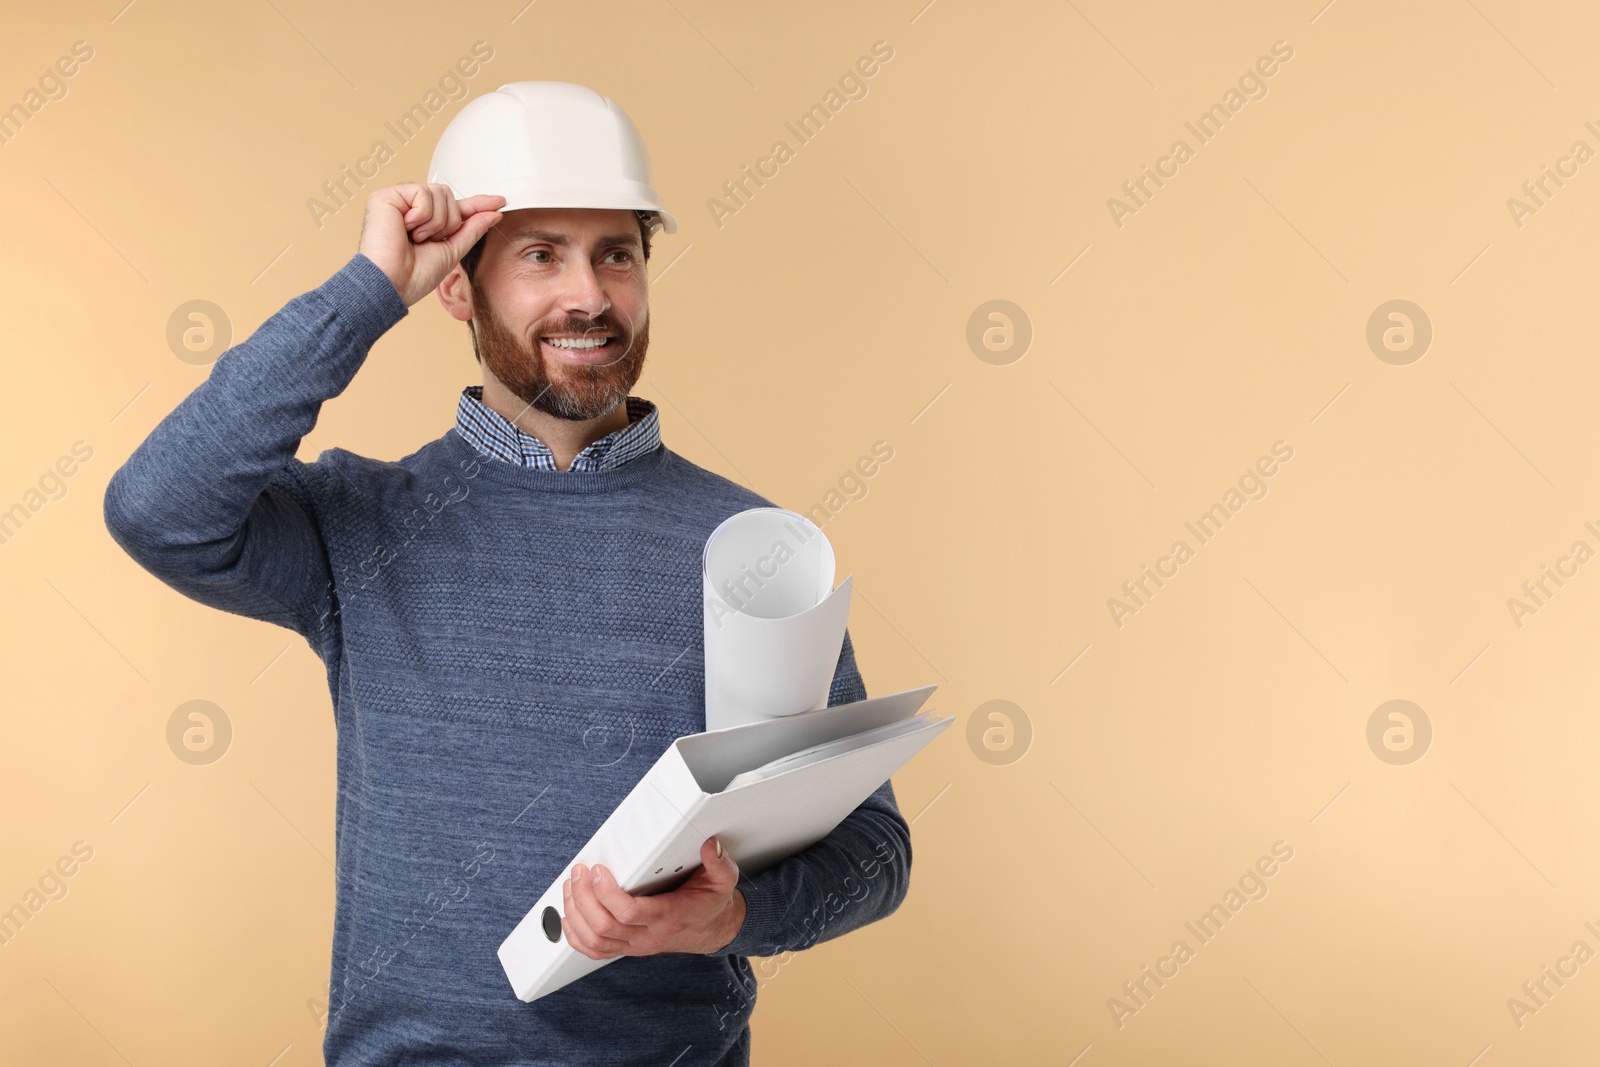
[[766, 790]]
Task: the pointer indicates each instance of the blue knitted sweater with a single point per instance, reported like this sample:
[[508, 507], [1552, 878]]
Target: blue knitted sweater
[[508, 650]]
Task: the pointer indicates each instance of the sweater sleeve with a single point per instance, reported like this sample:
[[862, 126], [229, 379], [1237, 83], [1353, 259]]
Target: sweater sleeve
[[214, 502], [857, 874]]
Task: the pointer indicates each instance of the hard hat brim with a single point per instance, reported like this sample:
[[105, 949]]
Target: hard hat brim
[[528, 194]]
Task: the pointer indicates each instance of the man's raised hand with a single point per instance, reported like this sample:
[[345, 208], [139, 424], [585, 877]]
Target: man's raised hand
[[416, 233]]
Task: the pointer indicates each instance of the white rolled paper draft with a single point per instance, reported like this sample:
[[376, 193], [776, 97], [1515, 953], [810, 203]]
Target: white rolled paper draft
[[774, 624]]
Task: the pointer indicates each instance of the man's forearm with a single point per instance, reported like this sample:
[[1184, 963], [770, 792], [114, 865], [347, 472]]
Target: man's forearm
[[856, 875], [208, 502]]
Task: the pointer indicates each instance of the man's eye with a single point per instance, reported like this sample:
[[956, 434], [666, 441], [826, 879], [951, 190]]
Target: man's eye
[[624, 253], [540, 252]]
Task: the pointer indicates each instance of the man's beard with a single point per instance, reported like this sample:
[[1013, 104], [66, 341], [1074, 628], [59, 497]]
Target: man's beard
[[581, 391]]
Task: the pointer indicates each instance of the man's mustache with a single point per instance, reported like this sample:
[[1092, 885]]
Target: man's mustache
[[582, 327]]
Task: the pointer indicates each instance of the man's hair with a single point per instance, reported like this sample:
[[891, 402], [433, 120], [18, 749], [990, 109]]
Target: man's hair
[[647, 223]]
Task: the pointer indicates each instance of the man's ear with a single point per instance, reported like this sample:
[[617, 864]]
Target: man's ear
[[455, 293]]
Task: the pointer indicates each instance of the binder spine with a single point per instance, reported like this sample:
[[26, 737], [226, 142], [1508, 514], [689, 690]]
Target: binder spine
[[655, 810]]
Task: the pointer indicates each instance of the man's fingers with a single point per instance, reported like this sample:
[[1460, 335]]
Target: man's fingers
[[596, 916], [401, 223], [418, 203], [581, 933], [442, 203], [438, 216], [581, 902], [585, 940], [433, 213], [446, 215], [629, 910], [482, 202]]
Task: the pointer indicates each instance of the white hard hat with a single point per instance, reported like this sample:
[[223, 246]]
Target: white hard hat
[[547, 144]]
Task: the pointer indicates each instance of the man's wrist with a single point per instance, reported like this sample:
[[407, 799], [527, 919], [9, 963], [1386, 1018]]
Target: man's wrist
[[736, 914], [732, 922], [365, 299]]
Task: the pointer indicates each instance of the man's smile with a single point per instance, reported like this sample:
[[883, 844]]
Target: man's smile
[[588, 350]]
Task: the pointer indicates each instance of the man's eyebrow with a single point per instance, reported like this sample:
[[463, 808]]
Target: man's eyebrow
[[561, 239]]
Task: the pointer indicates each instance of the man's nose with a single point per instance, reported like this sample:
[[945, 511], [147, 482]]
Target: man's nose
[[581, 290]]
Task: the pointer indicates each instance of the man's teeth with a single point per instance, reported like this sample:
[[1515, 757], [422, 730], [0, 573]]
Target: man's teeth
[[571, 342]]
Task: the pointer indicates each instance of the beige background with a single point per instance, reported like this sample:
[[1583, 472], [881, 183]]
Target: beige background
[[831, 312]]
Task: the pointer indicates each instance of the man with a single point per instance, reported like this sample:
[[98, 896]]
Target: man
[[510, 618]]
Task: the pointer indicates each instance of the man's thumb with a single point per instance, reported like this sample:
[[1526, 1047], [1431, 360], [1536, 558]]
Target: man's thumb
[[719, 861], [471, 232]]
